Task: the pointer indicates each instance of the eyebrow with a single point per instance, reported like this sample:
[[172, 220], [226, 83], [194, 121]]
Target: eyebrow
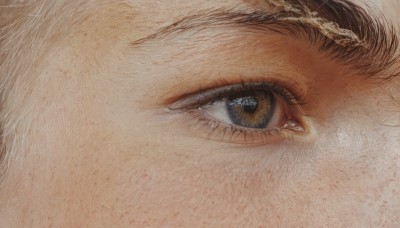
[[379, 52]]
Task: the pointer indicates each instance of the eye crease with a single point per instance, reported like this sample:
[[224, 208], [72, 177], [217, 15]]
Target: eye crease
[[256, 109]]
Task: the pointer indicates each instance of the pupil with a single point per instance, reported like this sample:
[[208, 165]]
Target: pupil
[[249, 104], [251, 109]]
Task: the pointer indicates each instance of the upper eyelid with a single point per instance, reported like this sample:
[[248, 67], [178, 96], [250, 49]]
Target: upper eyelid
[[192, 101]]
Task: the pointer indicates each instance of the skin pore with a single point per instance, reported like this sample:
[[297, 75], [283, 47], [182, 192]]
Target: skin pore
[[102, 147]]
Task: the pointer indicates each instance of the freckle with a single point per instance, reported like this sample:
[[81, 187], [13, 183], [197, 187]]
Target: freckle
[[176, 214]]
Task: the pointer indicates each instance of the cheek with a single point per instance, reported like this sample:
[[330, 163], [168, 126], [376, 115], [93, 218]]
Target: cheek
[[358, 167]]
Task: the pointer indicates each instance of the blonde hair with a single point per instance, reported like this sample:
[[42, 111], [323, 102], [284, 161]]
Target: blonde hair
[[27, 29]]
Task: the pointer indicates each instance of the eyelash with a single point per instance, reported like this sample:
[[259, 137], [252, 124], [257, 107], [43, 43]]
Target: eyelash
[[193, 102], [293, 96]]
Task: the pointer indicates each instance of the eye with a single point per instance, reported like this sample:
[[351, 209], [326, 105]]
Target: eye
[[251, 109], [254, 109]]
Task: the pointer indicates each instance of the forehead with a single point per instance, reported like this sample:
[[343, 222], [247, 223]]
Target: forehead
[[390, 8]]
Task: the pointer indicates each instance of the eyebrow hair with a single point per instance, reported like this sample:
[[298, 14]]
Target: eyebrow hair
[[380, 52]]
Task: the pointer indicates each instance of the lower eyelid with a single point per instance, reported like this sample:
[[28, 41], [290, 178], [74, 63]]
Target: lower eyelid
[[206, 126]]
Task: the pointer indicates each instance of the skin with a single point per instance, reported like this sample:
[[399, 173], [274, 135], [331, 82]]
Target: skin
[[102, 151]]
